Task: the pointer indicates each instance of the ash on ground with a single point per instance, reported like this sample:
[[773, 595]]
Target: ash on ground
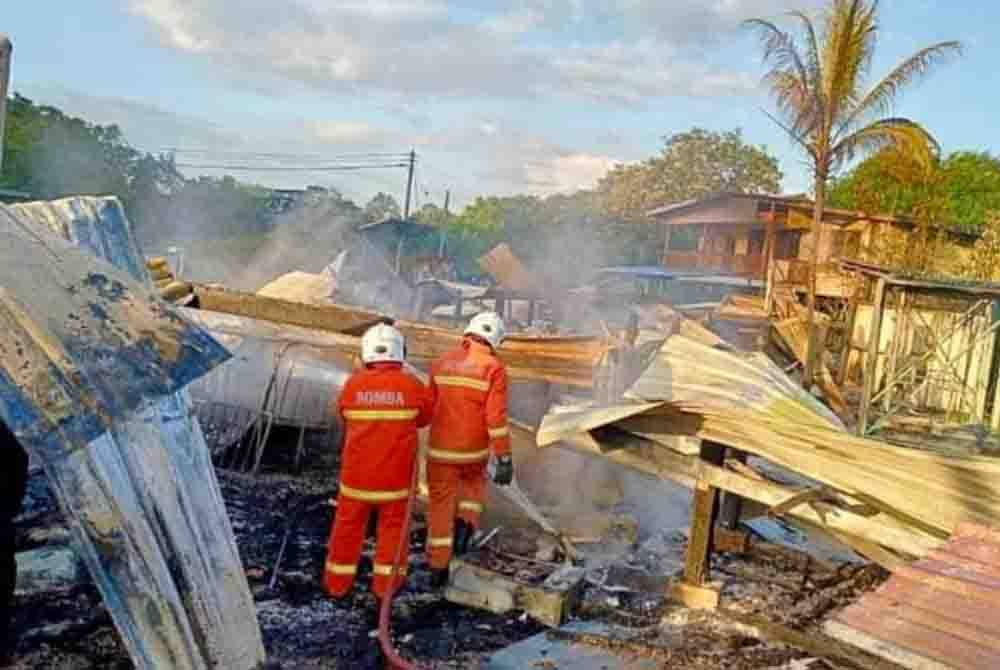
[[68, 628]]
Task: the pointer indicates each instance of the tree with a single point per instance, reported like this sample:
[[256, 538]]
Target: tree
[[382, 206], [818, 83], [691, 165], [985, 258], [432, 215], [968, 183]]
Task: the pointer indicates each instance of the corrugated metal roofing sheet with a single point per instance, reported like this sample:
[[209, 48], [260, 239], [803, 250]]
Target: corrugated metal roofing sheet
[[82, 342], [938, 612], [94, 224]]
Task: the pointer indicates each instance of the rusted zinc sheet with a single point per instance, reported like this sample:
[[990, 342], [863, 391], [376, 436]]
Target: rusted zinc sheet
[[508, 270], [748, 403], [82, 343], [940, 612]]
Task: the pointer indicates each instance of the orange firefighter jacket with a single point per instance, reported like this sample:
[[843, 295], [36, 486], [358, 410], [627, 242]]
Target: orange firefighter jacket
[[382, 407], [469, 387]]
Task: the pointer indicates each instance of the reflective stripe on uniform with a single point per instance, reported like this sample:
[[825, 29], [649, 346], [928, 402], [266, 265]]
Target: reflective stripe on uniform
[[463, 382], [374, 496], [381, 414], [384, 570], [458, 456], [470, 506], [341, 568], [502, 431], [440, 541]]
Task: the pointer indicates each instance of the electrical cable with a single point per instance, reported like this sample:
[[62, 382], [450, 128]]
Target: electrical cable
[[290, 168]]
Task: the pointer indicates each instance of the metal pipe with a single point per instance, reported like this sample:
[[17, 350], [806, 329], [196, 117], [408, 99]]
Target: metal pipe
[[6, 49]]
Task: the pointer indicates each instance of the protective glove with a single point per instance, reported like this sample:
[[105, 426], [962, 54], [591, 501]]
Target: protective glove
[[503, 475]]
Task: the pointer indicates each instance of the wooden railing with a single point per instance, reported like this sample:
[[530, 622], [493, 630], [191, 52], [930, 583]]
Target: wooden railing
[[748, 265]]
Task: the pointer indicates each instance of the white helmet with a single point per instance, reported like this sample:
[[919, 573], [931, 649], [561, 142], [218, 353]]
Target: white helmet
[[487, 325], [382, 344]]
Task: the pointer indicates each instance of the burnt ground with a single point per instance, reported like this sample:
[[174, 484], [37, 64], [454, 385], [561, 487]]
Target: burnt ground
[[302, 627]]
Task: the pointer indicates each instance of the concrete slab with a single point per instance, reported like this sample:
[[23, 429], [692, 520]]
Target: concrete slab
[[549, 603], [541, 652]]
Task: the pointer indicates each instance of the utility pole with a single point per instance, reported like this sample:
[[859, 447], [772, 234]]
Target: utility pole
[[409, 185], [447, 200], [5, 55]]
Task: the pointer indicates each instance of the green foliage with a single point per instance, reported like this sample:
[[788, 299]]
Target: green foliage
[[50, 155], [824, 101], [964, 188], [691, 165], [984, 263], [432, 215], [382, 206]]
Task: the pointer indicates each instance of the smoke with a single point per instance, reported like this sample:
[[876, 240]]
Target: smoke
[[307, 237]]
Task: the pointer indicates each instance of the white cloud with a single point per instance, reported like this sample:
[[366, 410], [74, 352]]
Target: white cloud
[[347, 132], [572, 172], [426, 48], [488, 155], [144, 125]]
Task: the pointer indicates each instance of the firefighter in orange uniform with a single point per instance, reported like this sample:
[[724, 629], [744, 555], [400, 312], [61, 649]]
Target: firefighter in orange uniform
[[382, 406], [469, 386]]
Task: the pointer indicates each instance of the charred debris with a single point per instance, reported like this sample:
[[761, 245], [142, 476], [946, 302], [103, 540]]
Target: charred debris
[[682, 501]]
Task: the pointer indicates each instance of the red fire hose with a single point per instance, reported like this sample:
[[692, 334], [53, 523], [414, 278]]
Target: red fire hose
[[395, 661]]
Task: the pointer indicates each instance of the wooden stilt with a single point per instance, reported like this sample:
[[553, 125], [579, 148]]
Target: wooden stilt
[[732, 504], [693, 590], [871, 361], [847, 347]]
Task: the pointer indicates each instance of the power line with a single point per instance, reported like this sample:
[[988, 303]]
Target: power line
[[290, 168], [399, 155]]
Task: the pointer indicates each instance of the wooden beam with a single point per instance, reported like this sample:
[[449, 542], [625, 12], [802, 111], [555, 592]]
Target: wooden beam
[[330, 318], [704, 511], [845, 350], [732, 504], [663, 463], [814, 644], [822, 515], [896, 348], [871, 361], [559, 360]]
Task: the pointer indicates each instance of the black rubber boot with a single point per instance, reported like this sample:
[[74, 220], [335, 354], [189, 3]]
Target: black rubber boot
[[439, 578], [373, 658], [463, 533]]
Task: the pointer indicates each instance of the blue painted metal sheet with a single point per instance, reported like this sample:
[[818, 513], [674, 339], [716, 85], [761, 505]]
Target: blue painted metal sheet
[[95, 224], [81, 342]]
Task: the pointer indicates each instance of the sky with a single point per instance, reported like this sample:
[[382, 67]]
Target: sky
[[495, 98]]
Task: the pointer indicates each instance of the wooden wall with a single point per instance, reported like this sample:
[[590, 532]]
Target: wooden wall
[[976, 364]]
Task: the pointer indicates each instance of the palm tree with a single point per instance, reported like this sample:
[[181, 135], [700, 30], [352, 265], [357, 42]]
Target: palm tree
[[818, 80]]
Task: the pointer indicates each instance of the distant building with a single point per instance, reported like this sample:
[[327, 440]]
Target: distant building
[[755, 235]]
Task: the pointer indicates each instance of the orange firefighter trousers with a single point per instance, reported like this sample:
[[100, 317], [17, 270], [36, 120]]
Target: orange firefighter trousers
[[348, 536], [455, 490]]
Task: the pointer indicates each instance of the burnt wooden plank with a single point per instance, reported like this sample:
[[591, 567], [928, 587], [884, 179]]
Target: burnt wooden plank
[[704, 510], [934, 618], [966, 610], [813, 643], [945, 648]]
